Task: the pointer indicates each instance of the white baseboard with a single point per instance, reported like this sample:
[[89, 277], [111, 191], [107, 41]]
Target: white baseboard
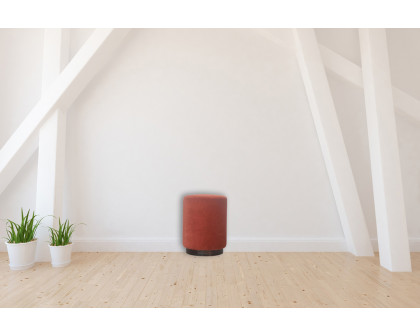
[[286, 245], [413, 242], [233, 245], [127, 245]]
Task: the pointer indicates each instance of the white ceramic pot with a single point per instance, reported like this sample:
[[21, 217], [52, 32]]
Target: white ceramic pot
[[60, 255], [22, 255]]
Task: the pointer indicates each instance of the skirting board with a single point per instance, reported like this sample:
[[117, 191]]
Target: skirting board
[[233, 245], [413, 242]]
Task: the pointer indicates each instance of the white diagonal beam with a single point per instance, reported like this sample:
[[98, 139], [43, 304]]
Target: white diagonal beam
[[353, 73], [406, 103], [332, 143], [394, 252], [50, 174], [341, 66], [346, 69], [65, 89]]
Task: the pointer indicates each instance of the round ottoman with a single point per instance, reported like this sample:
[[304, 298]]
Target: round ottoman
[[204, 224]]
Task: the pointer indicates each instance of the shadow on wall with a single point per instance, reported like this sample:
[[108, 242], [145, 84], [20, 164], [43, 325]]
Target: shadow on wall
[[181, 205]]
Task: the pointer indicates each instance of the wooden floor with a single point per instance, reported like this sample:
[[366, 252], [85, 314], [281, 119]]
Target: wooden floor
[[228, 280]]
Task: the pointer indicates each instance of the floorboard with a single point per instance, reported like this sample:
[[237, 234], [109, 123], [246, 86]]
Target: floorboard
[[252, 279]]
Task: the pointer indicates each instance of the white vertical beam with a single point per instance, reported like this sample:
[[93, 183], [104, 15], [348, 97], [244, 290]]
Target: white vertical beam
[[50, 179], [391, 223], [332, 143]]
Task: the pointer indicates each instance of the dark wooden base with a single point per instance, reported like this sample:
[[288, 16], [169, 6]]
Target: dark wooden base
[[204, 253]]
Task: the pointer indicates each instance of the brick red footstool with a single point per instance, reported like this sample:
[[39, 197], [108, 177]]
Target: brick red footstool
[[204, 224]]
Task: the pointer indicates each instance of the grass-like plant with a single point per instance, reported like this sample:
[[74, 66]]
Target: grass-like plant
[[23, 232], [62, 235]]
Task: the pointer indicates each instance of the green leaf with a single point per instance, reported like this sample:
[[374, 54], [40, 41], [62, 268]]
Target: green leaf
[[23, 232], [62, 235]]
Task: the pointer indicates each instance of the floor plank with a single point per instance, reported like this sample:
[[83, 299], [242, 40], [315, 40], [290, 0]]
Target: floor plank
[[246, 279]]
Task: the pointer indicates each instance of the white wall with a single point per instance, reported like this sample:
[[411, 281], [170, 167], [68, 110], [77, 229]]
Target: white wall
[[197, 111], [404, 55], [409, 140], [182, 111], [20, 71]]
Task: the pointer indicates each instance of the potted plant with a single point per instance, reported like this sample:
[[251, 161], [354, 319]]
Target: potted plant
[[60, 244], [21, 241]]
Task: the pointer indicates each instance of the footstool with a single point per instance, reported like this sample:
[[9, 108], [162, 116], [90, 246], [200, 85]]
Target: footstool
[[204, 224]]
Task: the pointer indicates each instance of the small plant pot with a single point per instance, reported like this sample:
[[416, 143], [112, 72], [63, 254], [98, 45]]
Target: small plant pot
[[60, 255], [22, 255]]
